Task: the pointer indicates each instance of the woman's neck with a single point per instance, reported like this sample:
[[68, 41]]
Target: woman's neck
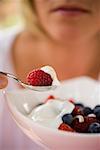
[[74, 60]]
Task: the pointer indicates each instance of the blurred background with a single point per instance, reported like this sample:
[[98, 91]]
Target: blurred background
[[10, 13]]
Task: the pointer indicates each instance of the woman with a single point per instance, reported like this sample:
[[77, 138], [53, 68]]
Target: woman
[[64, 34]]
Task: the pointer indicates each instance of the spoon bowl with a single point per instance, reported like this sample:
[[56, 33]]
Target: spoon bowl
[[25, 85]]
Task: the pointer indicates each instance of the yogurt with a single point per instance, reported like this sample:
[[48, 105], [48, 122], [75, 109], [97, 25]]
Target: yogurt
[[50, 113]]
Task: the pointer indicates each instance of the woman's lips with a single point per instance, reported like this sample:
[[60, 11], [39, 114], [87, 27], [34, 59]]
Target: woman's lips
[[70, 11]]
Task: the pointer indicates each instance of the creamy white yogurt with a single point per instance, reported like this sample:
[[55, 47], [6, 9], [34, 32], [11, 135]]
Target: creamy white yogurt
[[51, 112]]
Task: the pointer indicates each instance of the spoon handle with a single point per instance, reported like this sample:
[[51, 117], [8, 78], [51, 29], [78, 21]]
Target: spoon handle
[[10, 76]]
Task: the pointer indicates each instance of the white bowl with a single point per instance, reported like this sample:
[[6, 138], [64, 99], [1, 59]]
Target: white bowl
[[1, 103], [21, 102]]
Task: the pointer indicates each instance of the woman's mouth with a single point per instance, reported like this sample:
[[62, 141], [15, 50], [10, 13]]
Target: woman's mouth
[[70, 11]]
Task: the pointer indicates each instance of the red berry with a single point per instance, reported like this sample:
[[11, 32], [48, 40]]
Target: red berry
[[72, 100], [79, 126], [90, 120], [39, 78], [77, 111], [65, 127], [83, 126], [50, 97]]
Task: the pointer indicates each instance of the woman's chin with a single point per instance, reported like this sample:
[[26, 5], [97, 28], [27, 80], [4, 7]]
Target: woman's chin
[[64, 33], [66, 38]]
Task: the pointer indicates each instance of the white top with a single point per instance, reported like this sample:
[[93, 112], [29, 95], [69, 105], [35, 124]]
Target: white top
[[11, 137]]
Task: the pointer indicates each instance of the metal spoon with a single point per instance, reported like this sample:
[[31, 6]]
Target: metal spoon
[[35, 88]]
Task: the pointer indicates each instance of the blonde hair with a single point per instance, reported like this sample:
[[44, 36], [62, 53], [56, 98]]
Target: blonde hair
[[30, 17]]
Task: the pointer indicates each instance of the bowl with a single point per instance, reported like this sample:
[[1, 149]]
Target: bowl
[[1, 103], [21, 103]]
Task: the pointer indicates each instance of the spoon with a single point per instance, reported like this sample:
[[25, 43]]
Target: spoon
[[35, 88]]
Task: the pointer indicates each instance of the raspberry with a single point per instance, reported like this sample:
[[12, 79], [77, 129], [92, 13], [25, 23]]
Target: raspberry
[[79, 126], [39, 78], [65, 127], [71, 100], [83, 126], [90, 120], [50, 97], [77, 111]]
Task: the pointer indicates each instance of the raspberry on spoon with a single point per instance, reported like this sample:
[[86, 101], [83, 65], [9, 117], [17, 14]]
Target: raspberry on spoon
[[39, 78], [45, 76]]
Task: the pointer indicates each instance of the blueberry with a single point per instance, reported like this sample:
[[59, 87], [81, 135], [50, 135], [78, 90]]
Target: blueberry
[[79, 104], [67, 118], [87, 111], [97, 112], [97, 106], [94, 128]]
